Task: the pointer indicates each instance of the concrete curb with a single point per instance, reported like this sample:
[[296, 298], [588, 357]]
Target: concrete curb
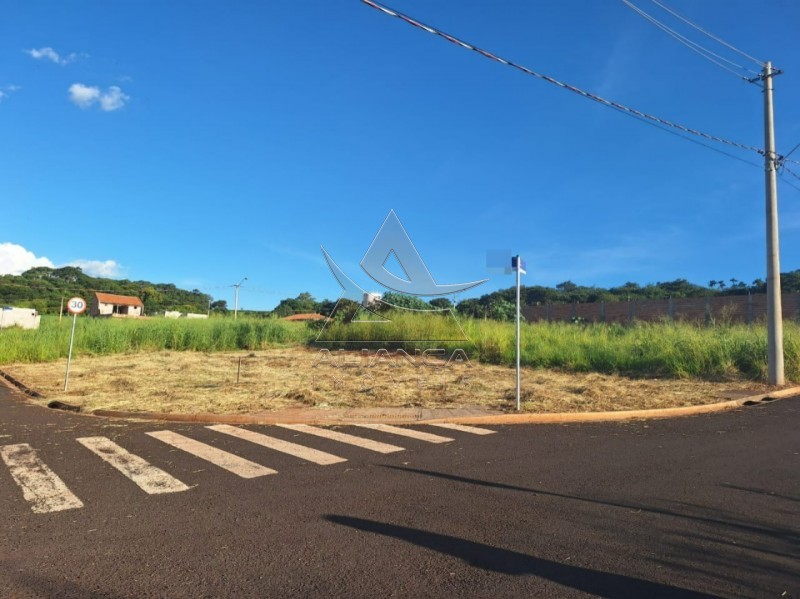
[[306, 416], [19, 385], [622, 415]]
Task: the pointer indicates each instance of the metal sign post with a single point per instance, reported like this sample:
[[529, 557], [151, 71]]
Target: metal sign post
[[519, 267], [75, 306]]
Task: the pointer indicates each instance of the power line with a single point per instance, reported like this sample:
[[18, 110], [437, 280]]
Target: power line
[[675, 13], [694, 46], [78, 289], [258, 290], [620, 107], [791, 172], [786, 157], [789, 183], [699, 143]]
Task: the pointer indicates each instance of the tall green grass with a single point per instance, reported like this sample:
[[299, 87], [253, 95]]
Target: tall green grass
[[645, 349], [676, 350], [112, 336]]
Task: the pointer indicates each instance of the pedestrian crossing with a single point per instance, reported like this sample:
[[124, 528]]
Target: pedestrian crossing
[[299, 451], [344, 438], [224, 459], [41, 487], [150, 479], [407, 432], [46, 492]]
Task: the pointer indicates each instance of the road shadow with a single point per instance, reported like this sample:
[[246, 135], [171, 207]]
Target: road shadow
[[760, 492], [504, 561], [734, 547], [785, 535]]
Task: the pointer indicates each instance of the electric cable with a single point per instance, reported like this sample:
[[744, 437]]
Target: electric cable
[[786, 157], [694, 46], [617, 106], [791, 172], [676, 14], [699, 143], [789, 183]]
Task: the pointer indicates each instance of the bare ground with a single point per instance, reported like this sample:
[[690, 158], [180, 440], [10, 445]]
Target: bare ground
[[236, 383]]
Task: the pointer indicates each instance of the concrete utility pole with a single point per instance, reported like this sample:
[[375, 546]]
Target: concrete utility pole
[[236, 298], [775, 359], [517, 331], [519, 266]]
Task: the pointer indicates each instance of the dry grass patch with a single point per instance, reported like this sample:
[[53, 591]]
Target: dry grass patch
[[187, 382]]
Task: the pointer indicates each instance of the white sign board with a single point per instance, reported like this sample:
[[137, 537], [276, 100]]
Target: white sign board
[[76, 305]]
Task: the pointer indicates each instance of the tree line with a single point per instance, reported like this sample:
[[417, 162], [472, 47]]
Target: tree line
[[500, 305], [44, 289]]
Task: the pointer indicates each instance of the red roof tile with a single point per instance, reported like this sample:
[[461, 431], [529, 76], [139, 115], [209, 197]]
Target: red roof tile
[[304, 317], [119, 300]]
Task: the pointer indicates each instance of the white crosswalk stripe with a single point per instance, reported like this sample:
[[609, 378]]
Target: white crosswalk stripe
[[46, 492], [474, 430], [300, 451], [218, 457], [343, 438], [150, 479], [41, 487], [407, 432]]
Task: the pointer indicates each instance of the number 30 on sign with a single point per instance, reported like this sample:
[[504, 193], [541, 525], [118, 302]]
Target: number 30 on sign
[[76, 305]]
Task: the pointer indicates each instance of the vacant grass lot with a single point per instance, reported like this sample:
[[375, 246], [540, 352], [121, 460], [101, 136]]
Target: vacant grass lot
[[248, 365], [187, 382], [644, 350]]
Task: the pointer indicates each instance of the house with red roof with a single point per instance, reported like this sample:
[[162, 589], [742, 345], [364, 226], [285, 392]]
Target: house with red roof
[[121, 306]]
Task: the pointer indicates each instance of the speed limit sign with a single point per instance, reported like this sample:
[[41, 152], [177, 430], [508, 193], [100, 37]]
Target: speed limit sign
[[76, 305]]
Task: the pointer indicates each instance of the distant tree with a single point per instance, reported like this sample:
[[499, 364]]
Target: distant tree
[[69, 274], [219, 306], [676, 288], [325, 307], [406, 301], [630, 287], [345, 310], [304, 303], [153, 299], [502, 310], [790, 282], [40, 305], [39, 272], [471, 307], [441, 303]]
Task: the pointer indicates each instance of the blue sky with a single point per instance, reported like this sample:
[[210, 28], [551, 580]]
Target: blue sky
[[201, 142]]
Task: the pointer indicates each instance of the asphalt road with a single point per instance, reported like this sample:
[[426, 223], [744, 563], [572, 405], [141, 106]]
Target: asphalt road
[[692, 507]]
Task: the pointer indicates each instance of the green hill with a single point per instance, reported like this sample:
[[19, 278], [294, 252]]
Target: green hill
[[44, 289]]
